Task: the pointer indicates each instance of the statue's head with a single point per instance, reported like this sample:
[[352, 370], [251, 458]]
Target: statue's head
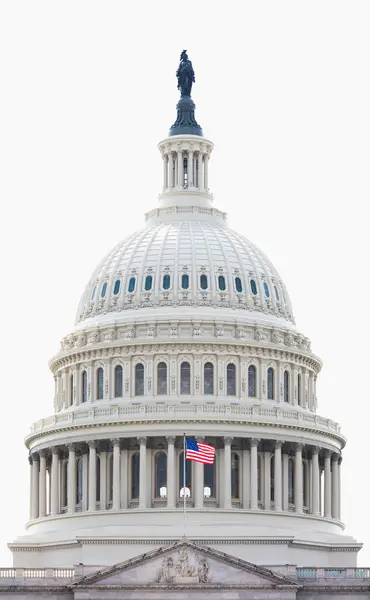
[[184, 55]]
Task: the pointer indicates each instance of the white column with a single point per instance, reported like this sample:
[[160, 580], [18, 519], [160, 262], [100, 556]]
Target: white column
[[254, 475], [42, 484], [278, 477], [315, 482], [335, 487], [285, 482], [339, 489], [267, 486], [180, 169], [124, 478], [142, 478], [54, 501], [327, 484], [170, 170], [298, 479], [190, 168], [71, 479], [201, 170], [35, 486], [116, 475], [227, 473], [171, 477], [246, 478], [165, 179], [103, 479], [85, 490], [206, 158], [92, 476], [31, 486], [199, 481]]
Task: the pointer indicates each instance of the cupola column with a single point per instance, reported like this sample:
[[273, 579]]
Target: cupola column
[[206, 158], [315, 482], [54, 508], [335, 487], [71, 478], [298, 479], [246, 478], [142, 476], [199, 480], [254, 474], [35, 486], [200, 171], [42, 484], [170, 170], [327, 484], [278, 477], [116, 475], [92, 476], [31, 485], [171, 484], [165, 171], [227, 472], [180, 169], [267, 490], [190, 168]]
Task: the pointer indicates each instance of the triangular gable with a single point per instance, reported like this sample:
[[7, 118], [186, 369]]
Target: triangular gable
[[185, 563]]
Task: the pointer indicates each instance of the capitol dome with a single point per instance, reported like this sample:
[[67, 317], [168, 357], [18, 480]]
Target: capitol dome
[[185, 327]]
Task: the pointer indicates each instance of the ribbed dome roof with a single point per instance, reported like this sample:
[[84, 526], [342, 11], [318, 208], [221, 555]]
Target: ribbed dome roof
[[185, 263]]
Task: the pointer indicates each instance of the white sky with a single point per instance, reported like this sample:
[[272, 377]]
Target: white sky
[[88, 89]]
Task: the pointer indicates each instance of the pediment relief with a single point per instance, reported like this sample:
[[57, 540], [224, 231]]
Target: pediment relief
[[183, 565]]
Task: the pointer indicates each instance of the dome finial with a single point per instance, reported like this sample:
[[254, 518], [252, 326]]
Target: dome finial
[[185, 122]]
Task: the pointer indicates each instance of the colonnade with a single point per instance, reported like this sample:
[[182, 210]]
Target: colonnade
[[248, 474], [184, 169]]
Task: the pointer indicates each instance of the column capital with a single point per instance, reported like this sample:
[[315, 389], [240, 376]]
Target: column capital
[[171, 439], [298, 447], [254, 442], [315, 450], [35, 457], [340, 459], [228, 440], [199, 438], [116, 442], [43, 453], [335, 457], [278, 444], [73, 447], [30, 459], [328, 453], [142, 440], [92, 444], [54, 450]]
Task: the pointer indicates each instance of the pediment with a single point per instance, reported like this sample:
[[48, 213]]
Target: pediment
[[185, 564]]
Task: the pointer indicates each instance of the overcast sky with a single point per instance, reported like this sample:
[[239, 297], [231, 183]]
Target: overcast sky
[[88, 89]]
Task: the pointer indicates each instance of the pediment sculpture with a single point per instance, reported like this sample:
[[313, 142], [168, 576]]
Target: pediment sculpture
[[182, 569]]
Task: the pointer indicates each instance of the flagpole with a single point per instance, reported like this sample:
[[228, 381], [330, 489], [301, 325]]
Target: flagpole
[[184, 484]]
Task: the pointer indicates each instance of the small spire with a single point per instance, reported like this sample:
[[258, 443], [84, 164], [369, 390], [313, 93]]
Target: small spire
[[185, 122]]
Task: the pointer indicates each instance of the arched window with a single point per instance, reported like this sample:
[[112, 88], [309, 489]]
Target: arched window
[[110, 478], [135, 476], [98, 478], [291, 481], [166, 282], [84, 386], [259, 478], [185, 378], [238, 284], [162, 378], [270, 383], [221, 283], [252, 384], [71, 390], [161, 475], [79, 486], [117, 287], [100, 384], [253, 287], [266, 288], [104, 290], [93, 293], [203, 282], [286, 386], [208, 378], [276, 293], [299, 390], [235, 475], [139, 380], [185, 281], [118, 381], [131, 284], [210, 480], [148, 283], [272, 479], [187, 476], [231, 379]]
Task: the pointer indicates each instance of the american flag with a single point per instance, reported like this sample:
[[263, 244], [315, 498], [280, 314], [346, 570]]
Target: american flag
[[199, 452]]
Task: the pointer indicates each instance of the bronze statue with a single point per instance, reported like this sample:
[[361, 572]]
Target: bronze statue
[[185, 75]]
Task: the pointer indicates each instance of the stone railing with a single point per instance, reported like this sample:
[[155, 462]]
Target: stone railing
[[313, 575], [12, 576], [201, 412]]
